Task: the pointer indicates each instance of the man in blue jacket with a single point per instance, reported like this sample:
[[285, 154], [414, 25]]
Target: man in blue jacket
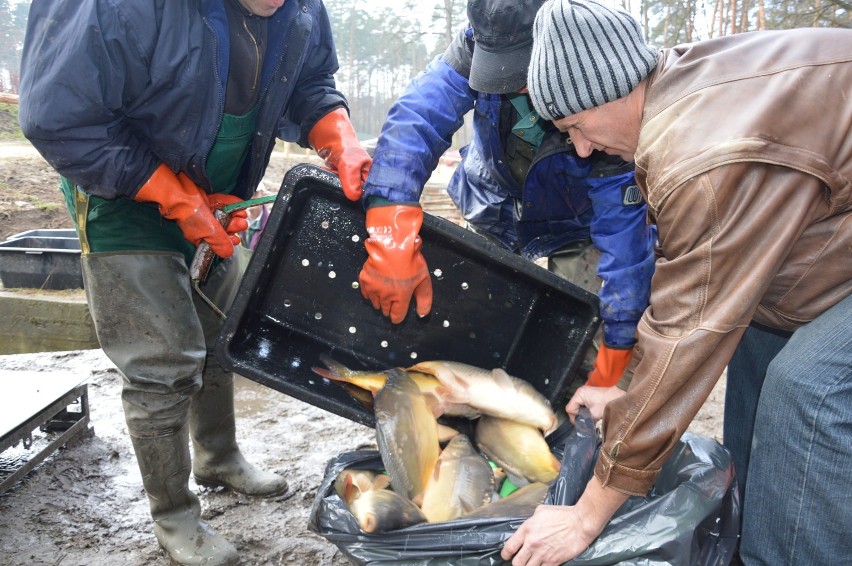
[[154, 113], [520, 182]]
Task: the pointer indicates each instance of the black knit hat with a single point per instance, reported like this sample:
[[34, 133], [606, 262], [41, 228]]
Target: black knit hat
[[502, 32], [585, 54]]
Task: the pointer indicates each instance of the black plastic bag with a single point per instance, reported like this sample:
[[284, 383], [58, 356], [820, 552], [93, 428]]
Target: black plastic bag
[[690, 517]]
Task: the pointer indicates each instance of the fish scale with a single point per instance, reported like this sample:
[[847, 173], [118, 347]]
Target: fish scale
[[463, 481], [493, 392], [407, 435]]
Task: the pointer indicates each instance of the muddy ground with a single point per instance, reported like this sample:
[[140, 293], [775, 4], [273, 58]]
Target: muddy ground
[[85, 504]]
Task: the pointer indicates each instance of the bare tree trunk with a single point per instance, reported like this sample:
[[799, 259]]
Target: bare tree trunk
[[717, 13], [448, 21], [733, 11], [761, 15], [691, 9], [351, 54]]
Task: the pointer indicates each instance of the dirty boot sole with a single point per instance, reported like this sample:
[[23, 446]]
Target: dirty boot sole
[[273, 488]]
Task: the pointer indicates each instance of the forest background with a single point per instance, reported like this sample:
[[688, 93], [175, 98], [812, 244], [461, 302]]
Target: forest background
[[382, 44]]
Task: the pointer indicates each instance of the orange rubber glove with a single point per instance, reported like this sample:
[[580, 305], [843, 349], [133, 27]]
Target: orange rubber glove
[[238, 219], [334, 140], [396, 270], [181, 200], [609, 366]]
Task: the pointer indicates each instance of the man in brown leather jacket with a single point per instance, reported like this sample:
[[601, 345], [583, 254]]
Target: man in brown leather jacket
[[743, 150]]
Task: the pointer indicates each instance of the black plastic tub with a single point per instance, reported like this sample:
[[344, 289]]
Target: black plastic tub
[[41, 263], [299, 298], [46, 233]]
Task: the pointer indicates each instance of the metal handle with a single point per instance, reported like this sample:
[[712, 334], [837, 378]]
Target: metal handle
[[201, 262], [204, 255]]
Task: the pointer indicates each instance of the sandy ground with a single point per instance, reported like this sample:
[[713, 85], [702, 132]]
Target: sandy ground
[[85, 504]]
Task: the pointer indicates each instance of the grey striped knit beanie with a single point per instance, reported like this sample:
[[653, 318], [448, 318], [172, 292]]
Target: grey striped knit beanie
[[585, 54]]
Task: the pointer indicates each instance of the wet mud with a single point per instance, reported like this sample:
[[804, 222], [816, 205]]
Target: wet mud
[[85, 504]]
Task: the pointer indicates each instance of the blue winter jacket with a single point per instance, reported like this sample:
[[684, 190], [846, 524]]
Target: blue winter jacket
[[564, 199], [112, 88]]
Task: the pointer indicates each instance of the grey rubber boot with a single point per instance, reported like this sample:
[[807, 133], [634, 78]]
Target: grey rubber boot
[[164, 463], [217, 460], [143, 310]]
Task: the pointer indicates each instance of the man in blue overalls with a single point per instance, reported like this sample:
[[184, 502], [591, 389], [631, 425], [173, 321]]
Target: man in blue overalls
[[520, 182], [154, 113]]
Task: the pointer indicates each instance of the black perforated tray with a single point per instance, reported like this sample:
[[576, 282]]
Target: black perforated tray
[[299, 298]]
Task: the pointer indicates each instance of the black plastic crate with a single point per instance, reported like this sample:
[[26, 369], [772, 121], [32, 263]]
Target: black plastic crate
[[41, 263], [299, 298], [46, 233]]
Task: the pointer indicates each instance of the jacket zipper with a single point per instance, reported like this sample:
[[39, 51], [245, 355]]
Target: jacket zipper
[[219, 86], [256, 54]]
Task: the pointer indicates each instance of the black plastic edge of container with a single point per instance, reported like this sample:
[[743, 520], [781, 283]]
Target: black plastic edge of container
[[299, 299], [41, 262], [45, 233]]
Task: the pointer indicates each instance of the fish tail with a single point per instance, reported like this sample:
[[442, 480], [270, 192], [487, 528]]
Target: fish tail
[[334, 366], [325, 373]]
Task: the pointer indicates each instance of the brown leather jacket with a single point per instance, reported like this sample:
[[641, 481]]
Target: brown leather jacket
[[745, 159]]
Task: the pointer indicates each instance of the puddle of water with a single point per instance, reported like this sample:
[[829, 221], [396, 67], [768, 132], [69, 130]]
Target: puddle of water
[[252, 398]]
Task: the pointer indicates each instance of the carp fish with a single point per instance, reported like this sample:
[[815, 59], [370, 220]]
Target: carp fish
[[373, 381], [518, 448], [493, 392], [377, 509], [407, 435], [361, 479], [461, 482], [520, 504]]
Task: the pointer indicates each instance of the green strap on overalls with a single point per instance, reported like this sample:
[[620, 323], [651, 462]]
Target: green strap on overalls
[[81, 210], [529, 127]]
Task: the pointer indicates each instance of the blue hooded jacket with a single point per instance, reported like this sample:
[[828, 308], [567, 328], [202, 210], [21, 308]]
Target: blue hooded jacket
[[112, 88], [564, 198]]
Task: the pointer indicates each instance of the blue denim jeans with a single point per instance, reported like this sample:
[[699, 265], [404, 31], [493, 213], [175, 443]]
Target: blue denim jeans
[[788, 423], [746, 373]]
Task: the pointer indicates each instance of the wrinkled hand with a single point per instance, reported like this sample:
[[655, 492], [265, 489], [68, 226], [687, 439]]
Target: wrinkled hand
[[335, 141], [557, 533], [395, 270], [553, 535], [593, 398]]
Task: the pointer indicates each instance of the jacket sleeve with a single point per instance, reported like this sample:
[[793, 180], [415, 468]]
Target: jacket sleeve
[[724, 236], [418, 130], [315, 93], [620, 231], [80, 66]]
